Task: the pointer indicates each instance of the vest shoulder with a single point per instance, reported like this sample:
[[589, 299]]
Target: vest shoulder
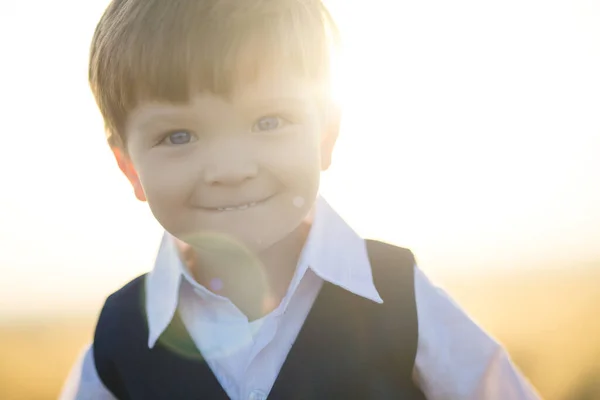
[[393, 270], [122, 309], [384, 255], [129, 295]]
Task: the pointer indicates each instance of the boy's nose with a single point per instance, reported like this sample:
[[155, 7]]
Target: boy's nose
[[230, 173]]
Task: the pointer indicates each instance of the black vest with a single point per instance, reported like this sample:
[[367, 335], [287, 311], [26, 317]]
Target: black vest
[[348, 348]]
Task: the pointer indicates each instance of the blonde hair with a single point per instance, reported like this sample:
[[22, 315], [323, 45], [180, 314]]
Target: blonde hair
[[168, 50]]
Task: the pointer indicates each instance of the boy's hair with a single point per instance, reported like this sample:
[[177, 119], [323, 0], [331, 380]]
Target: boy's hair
[[170, 49]]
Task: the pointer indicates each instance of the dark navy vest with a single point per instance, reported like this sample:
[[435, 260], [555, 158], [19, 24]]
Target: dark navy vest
[[348, 348]]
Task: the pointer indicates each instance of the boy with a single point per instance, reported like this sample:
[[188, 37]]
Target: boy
[[218, 113]]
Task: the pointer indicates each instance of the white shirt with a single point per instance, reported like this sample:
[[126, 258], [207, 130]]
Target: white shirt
[[455, 358]]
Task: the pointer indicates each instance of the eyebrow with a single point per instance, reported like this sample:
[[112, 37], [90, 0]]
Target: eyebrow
[[163, 120], [285, 102]]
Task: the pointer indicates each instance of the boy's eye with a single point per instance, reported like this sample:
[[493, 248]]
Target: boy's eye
[[178, 138], [268, 123]]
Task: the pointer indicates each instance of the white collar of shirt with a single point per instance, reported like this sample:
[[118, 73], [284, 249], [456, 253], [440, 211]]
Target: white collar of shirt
[[333, 251]]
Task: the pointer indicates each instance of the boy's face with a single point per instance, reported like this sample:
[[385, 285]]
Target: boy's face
[[244, 168]]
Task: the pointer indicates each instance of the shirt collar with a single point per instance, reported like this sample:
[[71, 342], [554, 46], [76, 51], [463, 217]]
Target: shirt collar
[[337, 254], [162, 289], [333, 251]]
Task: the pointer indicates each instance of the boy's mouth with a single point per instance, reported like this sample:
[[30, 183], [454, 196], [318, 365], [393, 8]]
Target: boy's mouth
[[238, 207]]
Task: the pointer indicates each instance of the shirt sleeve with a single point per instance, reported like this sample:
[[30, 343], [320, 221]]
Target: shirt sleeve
[[457, 359], [83, 382]]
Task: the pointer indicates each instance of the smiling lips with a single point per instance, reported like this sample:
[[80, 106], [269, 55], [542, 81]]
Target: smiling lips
[[243, 206]]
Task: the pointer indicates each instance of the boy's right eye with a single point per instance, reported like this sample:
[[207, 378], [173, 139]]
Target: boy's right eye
[[177, 138]]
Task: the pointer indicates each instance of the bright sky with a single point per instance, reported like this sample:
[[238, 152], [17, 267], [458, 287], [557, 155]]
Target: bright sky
[[471, 135]]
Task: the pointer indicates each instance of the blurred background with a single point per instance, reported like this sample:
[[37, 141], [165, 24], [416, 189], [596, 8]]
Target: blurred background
[[471, 135]]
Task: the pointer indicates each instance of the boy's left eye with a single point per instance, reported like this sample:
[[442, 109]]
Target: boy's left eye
[[268, 123]]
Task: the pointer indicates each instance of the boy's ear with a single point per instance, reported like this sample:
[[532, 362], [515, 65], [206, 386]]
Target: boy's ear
[[126, 166], [330, 135]]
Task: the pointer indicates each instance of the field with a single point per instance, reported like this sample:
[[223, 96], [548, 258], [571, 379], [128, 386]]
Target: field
[[549, 323]]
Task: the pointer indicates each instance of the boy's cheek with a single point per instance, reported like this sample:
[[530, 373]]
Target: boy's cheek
[[162, 192]]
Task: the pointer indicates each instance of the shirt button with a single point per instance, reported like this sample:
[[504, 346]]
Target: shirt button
[[257, 395]]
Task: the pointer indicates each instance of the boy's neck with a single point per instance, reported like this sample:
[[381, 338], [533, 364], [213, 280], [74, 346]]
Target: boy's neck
[[257, 283]]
